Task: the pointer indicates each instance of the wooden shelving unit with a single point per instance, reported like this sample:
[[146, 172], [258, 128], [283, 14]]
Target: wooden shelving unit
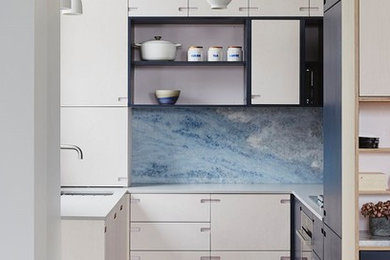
[[374, 99], [384, 192], [374, 150]]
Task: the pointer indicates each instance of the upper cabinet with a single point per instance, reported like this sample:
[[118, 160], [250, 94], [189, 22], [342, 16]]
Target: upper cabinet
[[94, 55], [279, 7], [374, 48], [316, 8], [276, 62], [202, 8], [156, 8]]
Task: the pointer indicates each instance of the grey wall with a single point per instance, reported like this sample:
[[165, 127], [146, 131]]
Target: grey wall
[[29, 129]]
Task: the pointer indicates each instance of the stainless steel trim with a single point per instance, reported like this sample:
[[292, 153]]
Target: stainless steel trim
[[73, 148], [209, 200]]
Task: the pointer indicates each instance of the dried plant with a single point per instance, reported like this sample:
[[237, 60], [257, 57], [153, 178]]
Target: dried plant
[[378, 210]]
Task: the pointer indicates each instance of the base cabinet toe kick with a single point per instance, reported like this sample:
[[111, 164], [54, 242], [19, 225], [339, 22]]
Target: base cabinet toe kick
[[210, 226]]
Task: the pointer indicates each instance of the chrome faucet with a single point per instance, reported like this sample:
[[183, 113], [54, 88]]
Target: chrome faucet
[[74, 148]]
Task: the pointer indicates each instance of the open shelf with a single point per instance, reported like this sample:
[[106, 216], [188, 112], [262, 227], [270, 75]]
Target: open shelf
[[374, 150], [374, 99], [189, 63]]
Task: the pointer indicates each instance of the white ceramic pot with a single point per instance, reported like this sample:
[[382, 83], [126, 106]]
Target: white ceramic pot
[[158, 49], [219, 4]]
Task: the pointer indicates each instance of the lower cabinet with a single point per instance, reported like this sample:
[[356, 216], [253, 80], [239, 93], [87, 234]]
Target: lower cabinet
[[250, 255], [332, 245], [100, 239], [170, 255]]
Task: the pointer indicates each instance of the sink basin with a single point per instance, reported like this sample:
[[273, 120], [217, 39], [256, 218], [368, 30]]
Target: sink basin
[[83, 193]]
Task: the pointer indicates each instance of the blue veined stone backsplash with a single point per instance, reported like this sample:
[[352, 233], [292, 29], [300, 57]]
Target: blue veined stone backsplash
[[227, 145]]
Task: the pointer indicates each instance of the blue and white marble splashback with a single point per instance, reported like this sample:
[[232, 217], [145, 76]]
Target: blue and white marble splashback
[[227, 145]]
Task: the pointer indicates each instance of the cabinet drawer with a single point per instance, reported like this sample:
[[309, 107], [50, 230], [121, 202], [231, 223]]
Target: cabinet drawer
[[170, 255], [170, 236], [282, 255], [170, 207], [250, 222]]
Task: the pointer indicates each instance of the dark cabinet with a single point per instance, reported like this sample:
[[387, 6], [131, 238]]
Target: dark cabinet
[[329, 3], [332, 245], [332, 118], [374, 255], [318, 238]]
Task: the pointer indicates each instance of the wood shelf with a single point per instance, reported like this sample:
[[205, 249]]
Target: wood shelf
[[189, 63], [374, 150], [384, 192], [374, 99], [374, 248]]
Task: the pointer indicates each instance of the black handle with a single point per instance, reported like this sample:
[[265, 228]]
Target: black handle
[[157, 38]]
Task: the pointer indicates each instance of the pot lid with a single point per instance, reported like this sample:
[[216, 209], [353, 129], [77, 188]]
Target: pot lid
[[157, 40]]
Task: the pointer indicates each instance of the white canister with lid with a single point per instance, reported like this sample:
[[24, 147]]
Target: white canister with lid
[[234, 53], [195, 53], [215, 53]]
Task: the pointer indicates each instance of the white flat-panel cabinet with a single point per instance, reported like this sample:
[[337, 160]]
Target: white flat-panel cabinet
[[316, 8], [251, 255], [275, 61], [374, 48], [158, 8], [170, 236], [202, 8], [102, 136], [170, 207], [250, 222], [94, 55], [170, 255], [279, 7]]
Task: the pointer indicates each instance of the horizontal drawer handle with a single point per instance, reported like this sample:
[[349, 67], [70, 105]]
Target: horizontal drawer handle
[[120, 99], [135, 229], [256, 96], [303, 237], [205, 229], [135, 257], [309, 8], [210, 258], [133, 8], [209, 200], [135, 200], [285, 258], [285, 201], [188, 8], [247, 8]]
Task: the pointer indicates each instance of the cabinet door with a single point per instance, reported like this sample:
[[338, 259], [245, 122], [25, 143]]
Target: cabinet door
[[332, 245], [94, 55], [329, 3], [169, 255], [332, 118], [250, 222], [122, 229], [102, 135], [316, 8], [110, 230], [156, 8], [278, 7], [202, 8], [250, 255], [170, 236], [374, 48], [275, 61], [318, 238], [170, 207]]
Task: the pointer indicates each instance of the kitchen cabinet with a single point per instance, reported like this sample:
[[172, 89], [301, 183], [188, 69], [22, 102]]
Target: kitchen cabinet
[[329, 3], [155, 8], [332, 119], [316, 8], [170, 236], [102, 136], [374, 48], [332, 245], [97, 239], [275, 62], [250, 255], [318, 238], [250, 222], [94, 55], [279, 8], [170, 255], [374, 255], [202, 8], [170, 208]]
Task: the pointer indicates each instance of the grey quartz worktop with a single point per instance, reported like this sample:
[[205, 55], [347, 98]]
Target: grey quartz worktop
[[98, 207]]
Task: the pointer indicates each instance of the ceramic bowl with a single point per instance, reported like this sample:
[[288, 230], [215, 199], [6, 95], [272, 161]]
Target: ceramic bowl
[[167, 97], [219, 4]]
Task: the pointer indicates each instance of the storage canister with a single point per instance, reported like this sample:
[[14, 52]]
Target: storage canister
[[215, 53], [234, 53], [195, 53]]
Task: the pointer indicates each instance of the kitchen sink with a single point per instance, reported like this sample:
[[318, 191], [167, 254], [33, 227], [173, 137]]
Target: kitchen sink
[[82, 193]]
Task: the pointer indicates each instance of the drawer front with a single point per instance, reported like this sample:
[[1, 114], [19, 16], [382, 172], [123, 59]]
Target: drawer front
[[161, 255], [170, 236], [170, 207], [274, 255]]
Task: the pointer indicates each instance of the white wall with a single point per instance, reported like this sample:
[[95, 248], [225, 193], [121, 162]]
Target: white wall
[[29, 129]]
